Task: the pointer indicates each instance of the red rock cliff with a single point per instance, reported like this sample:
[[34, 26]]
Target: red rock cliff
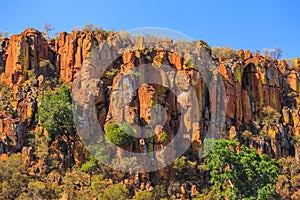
[[252, 83]]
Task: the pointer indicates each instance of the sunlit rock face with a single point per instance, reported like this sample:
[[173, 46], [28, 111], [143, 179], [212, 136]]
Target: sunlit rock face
[[252, 83]]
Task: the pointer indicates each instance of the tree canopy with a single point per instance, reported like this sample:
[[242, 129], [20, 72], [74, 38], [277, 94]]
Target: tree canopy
[[240, 173], [55, 113], [119, 134]]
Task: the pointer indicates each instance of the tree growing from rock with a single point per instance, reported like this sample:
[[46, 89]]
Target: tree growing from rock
[[120, 135], [55, 113], [47, 28]]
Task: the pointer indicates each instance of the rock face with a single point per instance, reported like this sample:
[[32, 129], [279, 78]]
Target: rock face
[[252, 82], [3, 49], [24, 54]]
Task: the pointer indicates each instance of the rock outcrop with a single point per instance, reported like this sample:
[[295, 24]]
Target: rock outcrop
[[24, 54], [252, 83]]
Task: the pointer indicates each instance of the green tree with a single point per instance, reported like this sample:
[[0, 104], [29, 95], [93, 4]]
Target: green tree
[[240, 174], [13, 180], [41, 190], [13, 187], [89, 166], [55, 113], [119, 134], [115, 192], [184, 168], [143, 195], [160, 191], [12, 165], [75, 183], [40, 145], [98, 184], [89, 28]]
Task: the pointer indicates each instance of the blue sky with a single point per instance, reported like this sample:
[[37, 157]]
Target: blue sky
[[239, 24]]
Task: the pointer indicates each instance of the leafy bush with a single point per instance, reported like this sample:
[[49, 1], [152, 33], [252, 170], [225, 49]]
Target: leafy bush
[[120, 135], [55, 113], [240, 174], [143, 195], [115, 192]]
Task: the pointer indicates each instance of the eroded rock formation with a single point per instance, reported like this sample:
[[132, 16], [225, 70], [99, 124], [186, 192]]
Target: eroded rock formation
[[252, 82]]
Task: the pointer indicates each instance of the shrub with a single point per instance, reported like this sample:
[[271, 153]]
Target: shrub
[[119, 134], [143, 195], [241, 174], [55, 113], [223, 53], [115, 192]]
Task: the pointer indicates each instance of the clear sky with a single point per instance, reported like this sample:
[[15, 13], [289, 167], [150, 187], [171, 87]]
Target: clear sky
[[253, 25]]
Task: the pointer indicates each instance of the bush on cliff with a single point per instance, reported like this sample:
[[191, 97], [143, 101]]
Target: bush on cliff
[[119, 134], [55, 113]]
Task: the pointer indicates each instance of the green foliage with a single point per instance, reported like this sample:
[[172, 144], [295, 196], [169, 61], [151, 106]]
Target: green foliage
[[185, 169], [12, 180], [55, 113], [41, 190], [119, 134], [90, 28], [160, 191], [143, 195], [238, 74], [75, 181], [98, 150], [39, 143], [89, 164], [112, 73], [204, 44], [26, 59], [179, 164], [136, 74], [246, 134], [115, 192], [11, 166], [14, 186], [188, 64], [240, 174], [161, 91], [148, 58], [98, 185], [164, 137], [208, 145]]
